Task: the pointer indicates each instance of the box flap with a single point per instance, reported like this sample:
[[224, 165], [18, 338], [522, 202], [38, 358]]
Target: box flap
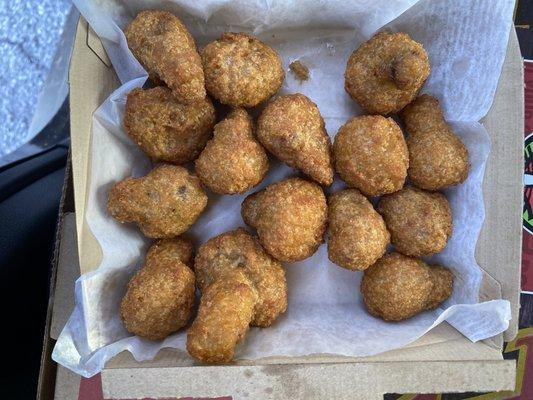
[[67, 273], [499, 248], [91, 82], [351, 381]]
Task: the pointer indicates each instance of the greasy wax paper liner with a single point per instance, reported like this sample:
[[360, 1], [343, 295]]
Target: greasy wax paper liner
[[466, 41]]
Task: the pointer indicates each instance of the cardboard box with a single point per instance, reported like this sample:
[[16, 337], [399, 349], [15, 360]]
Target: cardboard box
[[441, 361]]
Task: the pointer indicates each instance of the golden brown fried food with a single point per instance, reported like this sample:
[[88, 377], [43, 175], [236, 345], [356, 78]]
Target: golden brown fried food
[[442, 280], [241, 285], [164, 203], [177, 247], [385, 73], [290, 217], [239, 250], [371, 155], [420, 222], [437, 157], [233, 161], [398, 287], [357, 235], [292, 129], [160, 297], [299, 70], [166, 129], [240, 70], [166, 49], [226, 308]]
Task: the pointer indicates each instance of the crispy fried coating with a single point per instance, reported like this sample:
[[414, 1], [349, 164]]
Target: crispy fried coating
[[241, 285], [437, 157], [226, 308], [292, 129], [233, 161], [398, 287], [371, 155], [160, 297], [357, 236], [164, 203], [239, 250], [420, 222], [166, 49], [385, 73], [177, 247], [442, 279], [299, 70], [166, 129], [290, 218], [240, 70]]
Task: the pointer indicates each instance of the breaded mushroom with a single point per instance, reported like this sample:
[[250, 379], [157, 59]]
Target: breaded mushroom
[[385, 73], [437, 157], [240, 70], [290, 218], [233, 161], [166, 49], [165, 129], [164, 203], [226, 309], [176, 247], [241, 285], [420, 222], [160, 297], [292, 129], [371, 155], [357, 236], [398, 287]]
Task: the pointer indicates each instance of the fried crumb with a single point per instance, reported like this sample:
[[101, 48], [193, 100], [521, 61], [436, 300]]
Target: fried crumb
[[299, 70]]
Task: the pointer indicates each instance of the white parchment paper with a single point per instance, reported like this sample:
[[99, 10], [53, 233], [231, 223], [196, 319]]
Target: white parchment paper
[[466, 41]]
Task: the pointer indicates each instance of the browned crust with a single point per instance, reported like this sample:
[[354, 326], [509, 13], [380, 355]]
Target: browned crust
[[233, 161], [166, 49], [291, 128], [240, 70], [386, 72], [164, 203], [437, 157]]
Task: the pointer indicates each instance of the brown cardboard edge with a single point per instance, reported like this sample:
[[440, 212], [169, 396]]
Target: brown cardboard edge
[[87, 66], [94, 43], [47, 370], [311, 381], [503, 263]]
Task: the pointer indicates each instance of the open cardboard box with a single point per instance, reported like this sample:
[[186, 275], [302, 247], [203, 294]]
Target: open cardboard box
[[441, 361]]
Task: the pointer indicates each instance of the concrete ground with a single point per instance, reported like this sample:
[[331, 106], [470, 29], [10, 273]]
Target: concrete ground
[[30, 31]]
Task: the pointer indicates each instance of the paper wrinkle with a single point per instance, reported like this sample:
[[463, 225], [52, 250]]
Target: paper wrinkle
[[466, 41]]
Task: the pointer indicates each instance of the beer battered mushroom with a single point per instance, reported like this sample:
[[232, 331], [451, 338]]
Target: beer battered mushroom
[[160, 297], [290, 218], [240, 70], [233, 161], [165, 129], [357, 235], [164, 203], [241, 286], [371, 155], [166, 49], [292, 129], [420, 222], [178, 247], [398, 287], [437, 157], [386, 72]]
